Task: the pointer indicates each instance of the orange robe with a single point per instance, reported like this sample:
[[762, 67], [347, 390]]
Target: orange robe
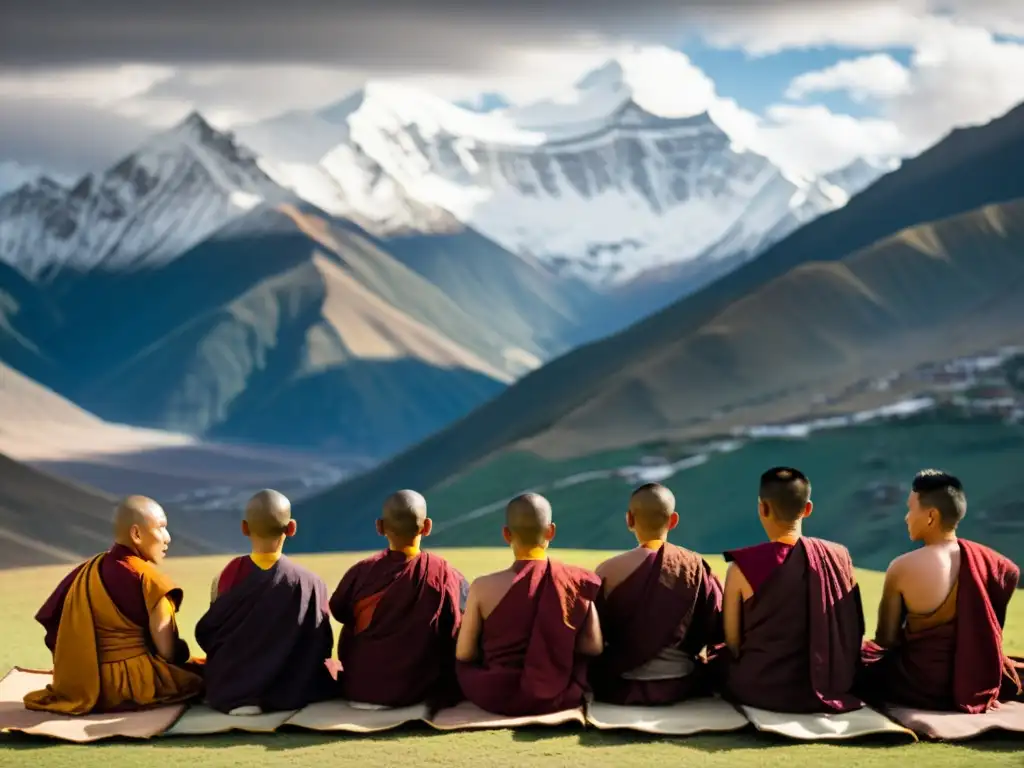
[[102, 661]]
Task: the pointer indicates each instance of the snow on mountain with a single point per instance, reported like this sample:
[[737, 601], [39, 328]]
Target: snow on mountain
[[14, 175], [175, 190], [617, 176], [861, 174]]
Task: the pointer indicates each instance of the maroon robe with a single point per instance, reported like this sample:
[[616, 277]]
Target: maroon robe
[[124, 585], [266, 637], [802, 629], [401, 617], [529, 662], [672, 599], [958, 666]]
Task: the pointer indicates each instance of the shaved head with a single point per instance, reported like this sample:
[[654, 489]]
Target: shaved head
[[141, 525], [652, 506], [268, 514], [404, 514], [528, 517], [136, 510]]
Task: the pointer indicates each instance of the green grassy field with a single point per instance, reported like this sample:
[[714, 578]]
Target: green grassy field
[[23, 591], [717, 499]]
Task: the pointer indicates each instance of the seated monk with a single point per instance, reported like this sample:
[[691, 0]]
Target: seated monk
[[528, 630], [792, 611], [660, 606], [267, 633], [110, 625], [938, 645], [400, 610]]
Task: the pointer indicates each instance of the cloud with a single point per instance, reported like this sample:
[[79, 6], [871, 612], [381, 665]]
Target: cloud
[[434, 33], [959, 75], [876, 76], [814, 140]]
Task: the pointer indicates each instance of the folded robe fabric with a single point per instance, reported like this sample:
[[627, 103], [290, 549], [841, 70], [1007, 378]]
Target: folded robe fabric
[[401, 616], [530, 665], [672, 599], [267, 636], [802, 629], [959, 664]]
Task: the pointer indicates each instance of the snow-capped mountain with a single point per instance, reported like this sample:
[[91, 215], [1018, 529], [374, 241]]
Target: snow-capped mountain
[[861, 174], [619, 176], [14, 175], [175, 190]]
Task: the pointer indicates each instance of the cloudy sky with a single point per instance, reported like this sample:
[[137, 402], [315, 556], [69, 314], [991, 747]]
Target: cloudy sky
[[811, 84]]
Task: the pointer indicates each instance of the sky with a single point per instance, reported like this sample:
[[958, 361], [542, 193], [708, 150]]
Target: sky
[[813, 85]]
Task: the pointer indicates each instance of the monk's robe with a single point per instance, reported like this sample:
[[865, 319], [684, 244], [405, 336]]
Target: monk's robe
[[401, 613], [97, 625], [656, 624], [266, 637], [801, 630], [528, 643], [951, 659]]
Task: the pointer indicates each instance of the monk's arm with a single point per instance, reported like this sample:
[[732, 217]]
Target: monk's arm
[[467, 647], [890, 610], [732, 608], [214, 589], [162, 629], [590, 641]]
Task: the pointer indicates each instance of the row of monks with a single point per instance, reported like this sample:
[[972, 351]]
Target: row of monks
[[651, 626]]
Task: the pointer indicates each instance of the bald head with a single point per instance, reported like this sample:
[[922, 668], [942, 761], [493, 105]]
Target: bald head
[[136, 511], [268, 514], [652, 507], [528, 518], [141, 525], [404, 514]]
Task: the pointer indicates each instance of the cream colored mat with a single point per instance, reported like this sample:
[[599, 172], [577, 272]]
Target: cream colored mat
[[201, 720], [339, 716], [822, 727], [957, 726], [83, 728], [467, 715], [682, 719]]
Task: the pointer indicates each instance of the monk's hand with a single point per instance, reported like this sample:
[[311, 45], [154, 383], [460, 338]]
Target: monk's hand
[[333, 666]]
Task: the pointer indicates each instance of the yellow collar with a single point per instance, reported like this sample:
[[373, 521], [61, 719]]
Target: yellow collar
[[790, 540], [265, 560], [534, 553], [409, 552], [654, 544]]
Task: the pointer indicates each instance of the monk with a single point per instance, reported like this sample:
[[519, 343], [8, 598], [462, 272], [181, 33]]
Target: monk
[[660, 606], [792, 610], [110, 625], [267, 633], [401, 610], [529, 630], [938, 645]]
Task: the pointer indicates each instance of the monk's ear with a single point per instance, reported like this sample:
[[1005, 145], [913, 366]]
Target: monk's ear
[[427, 525], [808, 509], [549, 534], [245, 528], [762, 508], [673, 520], [506, 534], [291, 528], [630, 520], [380, 528]]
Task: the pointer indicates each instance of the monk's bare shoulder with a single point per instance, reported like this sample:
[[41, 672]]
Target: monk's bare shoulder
[[617, 562]]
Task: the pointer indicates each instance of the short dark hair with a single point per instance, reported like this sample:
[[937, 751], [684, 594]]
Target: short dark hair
[[786, 491], [943, 492]]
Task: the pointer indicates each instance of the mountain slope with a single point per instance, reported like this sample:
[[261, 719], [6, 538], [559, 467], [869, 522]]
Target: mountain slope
[[172, 192], [616, 177], [285, 327], [568, 398]]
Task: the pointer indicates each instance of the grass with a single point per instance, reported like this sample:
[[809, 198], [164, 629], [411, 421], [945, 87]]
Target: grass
[[22, 591], [716, 500]]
